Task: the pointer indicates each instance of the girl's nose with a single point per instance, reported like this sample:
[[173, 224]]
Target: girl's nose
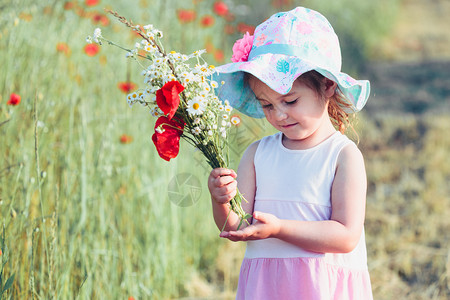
[[280, 114]]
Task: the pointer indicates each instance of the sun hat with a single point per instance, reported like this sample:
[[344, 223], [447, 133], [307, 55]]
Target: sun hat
[[284, 47]]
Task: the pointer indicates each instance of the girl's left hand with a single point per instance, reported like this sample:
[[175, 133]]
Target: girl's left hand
[[267, 225]]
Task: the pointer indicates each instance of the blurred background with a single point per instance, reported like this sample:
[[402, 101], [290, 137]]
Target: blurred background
[[90, 211]]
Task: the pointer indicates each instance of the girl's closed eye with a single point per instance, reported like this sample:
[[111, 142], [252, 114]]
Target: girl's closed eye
[[291, 102]]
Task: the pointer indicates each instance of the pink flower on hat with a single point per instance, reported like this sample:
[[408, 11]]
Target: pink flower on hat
[[241, 48]]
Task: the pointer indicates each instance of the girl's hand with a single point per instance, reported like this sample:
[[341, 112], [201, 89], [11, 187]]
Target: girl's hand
[[267, 225], [222, 185]]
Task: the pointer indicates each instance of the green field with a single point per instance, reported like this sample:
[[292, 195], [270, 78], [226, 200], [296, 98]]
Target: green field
[[88, 210]]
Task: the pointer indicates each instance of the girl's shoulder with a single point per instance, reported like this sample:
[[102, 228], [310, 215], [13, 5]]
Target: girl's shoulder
[[249, 154], [350, 155]]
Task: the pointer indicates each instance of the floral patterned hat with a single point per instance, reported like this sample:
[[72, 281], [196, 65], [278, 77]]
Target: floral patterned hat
[[284, 47]]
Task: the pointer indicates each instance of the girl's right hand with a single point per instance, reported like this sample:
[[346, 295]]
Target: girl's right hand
[[222, 185]]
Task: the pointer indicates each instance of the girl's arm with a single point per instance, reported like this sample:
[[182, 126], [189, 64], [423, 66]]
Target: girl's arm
[[222, 185], [341, 233]]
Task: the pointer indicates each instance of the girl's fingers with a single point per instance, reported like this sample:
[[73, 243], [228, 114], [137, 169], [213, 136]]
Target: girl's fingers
[[224, 180], [218, 172]]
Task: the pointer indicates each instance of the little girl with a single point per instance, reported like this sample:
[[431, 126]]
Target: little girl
[[306, 184]]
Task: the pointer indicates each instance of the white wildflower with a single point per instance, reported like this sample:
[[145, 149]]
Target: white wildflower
[[156, 112], [158, 33], [235, 120], [195, 106], [97, 35], [214, 84], [196, 130]]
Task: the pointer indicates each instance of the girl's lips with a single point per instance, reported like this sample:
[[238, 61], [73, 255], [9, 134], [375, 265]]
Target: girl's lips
[[289, 125]]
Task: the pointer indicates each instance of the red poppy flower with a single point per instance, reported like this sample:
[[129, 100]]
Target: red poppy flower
[[92, 2], [220, 8], [91, 49], [63, 47], [168, 97], [125, 139], [14, 99], [219, 56], [229, 29], [207, 21], [104, 20], [243, 28], [186, 15], [281, 3], [167, 137], [100, 18], [68, 5], [126, 86]]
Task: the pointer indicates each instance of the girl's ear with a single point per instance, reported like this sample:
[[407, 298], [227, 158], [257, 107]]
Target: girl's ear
[[330, 87]]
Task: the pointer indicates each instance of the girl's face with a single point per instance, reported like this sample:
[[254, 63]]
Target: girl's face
[[301, 115]]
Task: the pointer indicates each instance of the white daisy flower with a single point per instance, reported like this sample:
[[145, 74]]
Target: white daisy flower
[[228, 108], [214, 84], [156, 112], [196, 130], [235, 120], [195, 106], [97, 35]]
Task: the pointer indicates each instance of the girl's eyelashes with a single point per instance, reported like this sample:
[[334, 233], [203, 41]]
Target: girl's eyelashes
[[269, 105], [291, 102]]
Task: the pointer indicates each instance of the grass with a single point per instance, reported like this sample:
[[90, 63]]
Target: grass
[[89, 217]]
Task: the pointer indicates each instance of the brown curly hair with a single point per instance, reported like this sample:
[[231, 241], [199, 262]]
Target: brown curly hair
[[337, 106]]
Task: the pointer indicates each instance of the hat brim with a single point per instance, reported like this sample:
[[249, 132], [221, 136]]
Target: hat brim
[[279, 71]]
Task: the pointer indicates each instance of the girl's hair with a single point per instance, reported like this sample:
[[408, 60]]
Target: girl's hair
[[337, 105]]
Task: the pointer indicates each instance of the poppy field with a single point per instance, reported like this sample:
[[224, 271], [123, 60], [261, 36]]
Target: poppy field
[[89, 210]]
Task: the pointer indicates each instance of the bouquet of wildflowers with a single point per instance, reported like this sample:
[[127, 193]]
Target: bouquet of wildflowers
[[183, 100]]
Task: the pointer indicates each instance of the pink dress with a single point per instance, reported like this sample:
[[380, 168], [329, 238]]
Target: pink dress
[[296, 185]]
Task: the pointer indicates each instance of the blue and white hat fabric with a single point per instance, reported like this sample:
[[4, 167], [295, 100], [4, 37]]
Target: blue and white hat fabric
[[284, 47]]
